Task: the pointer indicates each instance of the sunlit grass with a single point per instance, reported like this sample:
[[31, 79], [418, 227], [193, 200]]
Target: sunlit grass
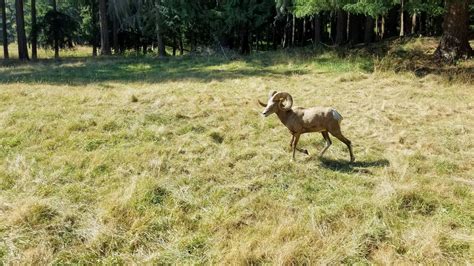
[[168, 161], [44, 53]]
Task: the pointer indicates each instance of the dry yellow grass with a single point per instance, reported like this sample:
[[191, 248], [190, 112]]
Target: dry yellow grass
[[147, 161]]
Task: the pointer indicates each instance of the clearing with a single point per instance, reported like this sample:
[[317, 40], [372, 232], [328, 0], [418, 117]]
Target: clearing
[[120, 160]]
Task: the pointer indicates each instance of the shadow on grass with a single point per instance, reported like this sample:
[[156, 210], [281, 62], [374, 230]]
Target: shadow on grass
[[87, 70], [81, 71], [357, 166]]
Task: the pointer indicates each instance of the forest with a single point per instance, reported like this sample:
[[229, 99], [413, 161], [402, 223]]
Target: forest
[[172, 27]]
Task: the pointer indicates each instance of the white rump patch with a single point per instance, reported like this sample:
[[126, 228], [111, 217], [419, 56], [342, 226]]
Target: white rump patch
[[336, 115]]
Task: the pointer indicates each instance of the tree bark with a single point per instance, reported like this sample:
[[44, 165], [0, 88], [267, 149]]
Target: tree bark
[[4, 29], [284, 42], [402, 24], [244, 41], [104, 29], [20, 29], [115, 35], [454, 43], [94, 28], [303, 33], [34, 31], [317, 29], [341, 27], [413, 23], [333, 32], [181, 47], [174, 46], [369, 30], [56, 42], [293, 29], [382, 28], [161, 44], [356, 26]]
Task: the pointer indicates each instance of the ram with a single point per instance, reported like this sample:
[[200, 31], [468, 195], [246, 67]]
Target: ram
[[305, 120]]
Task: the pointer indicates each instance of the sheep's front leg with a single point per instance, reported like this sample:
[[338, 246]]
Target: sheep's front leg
[[292, 139], [297, 138], [298, 149]]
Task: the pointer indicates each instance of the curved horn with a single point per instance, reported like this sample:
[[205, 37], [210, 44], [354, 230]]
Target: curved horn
[[282, 96], [271, 93], [262, 104]]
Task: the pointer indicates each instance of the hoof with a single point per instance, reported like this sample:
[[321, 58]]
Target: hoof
[[306, 152], [353, 159]]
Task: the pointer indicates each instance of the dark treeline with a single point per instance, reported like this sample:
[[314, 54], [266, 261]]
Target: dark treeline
[[174, 27]]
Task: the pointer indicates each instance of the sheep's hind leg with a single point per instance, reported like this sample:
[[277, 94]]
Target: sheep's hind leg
[[328, 142], [348, 143]]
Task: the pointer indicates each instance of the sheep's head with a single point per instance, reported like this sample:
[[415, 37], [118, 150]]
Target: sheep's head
[[276, 102]]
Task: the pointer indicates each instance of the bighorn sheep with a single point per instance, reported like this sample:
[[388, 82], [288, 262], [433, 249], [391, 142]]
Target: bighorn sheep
[[305, 120]]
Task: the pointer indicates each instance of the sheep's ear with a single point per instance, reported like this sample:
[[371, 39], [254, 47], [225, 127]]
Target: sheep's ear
[[270, 95], [262, 104]]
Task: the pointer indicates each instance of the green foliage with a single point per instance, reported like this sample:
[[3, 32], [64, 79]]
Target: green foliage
[[236, 15], [431, 7], [371, 8]]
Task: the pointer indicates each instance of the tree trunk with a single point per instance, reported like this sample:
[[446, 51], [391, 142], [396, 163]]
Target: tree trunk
[[303, 33], [94, 41], [356, 26], [402, 24], [55, 41], [4, 29], [382, 28], [161, 44], [34, 31], [256, 42], [293, 29], [284, 42], [20, 29], [104, 29], [174, 46], [181, 47], [454, 43], [317, 29], [244, 41], [274, 36], [341, 27], [115, 35], [333, 32], [413, 23], [369, 30]]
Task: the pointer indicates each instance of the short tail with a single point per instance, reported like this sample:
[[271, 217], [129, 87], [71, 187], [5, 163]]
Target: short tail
[[336, 116]]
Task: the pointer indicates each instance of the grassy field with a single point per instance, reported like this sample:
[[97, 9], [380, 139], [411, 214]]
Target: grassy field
[[121, 160]]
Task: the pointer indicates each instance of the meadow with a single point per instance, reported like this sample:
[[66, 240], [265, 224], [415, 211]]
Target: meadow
[[162, 161]]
